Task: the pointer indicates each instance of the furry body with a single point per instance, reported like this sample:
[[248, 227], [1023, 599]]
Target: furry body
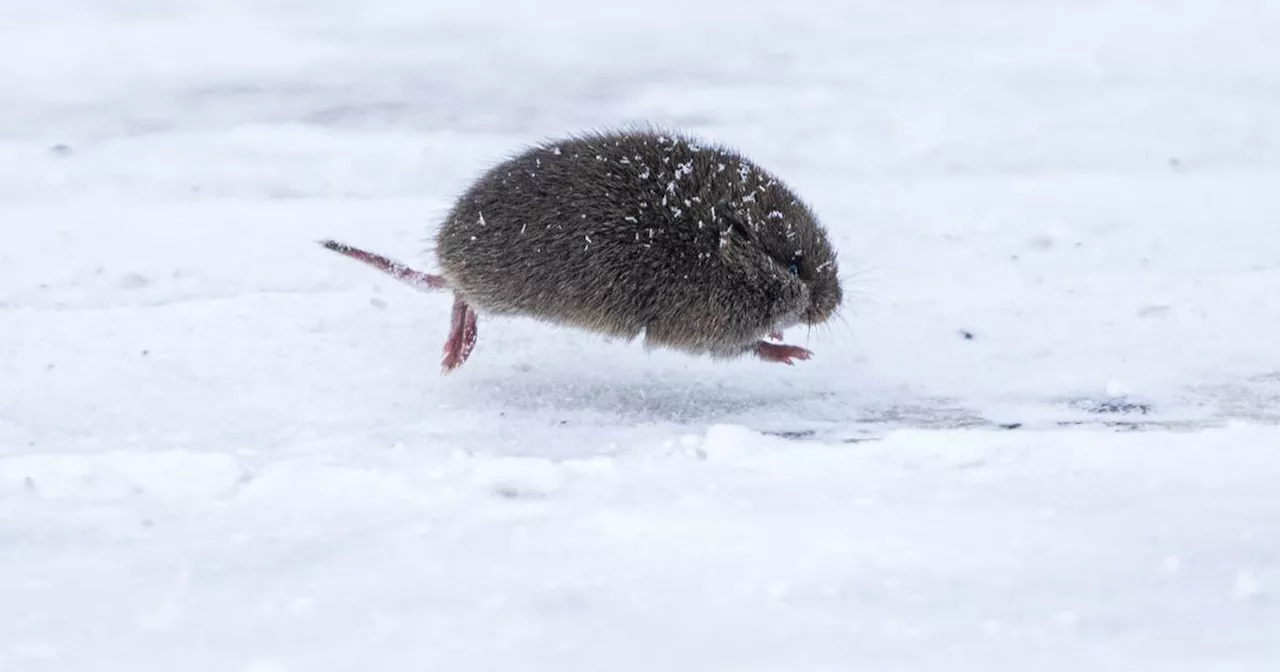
[[629, 233]]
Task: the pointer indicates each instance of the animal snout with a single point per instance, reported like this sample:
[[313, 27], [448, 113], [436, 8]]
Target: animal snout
[[822, 306]]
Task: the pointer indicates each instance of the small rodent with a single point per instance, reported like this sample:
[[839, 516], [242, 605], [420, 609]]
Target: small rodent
[[633, 232]]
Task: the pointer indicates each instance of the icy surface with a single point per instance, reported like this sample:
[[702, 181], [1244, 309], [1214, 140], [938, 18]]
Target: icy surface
[[223, 447]]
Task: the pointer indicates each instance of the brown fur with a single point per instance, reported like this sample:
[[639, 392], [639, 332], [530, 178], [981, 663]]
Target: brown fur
[[637, 232]]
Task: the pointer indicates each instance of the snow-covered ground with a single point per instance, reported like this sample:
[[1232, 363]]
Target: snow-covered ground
[[225, 448]]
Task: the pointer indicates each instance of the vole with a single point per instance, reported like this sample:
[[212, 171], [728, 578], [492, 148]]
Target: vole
[[633, 232]]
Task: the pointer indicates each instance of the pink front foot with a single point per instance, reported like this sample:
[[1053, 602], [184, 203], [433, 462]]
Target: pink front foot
[[775, 335], [776, 352], [462, 336]]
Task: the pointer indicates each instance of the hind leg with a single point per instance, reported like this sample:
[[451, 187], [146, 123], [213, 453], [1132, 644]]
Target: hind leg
[[462, 335]]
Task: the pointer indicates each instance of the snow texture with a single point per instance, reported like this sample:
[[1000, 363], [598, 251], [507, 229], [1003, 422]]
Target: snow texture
[[223, 447]]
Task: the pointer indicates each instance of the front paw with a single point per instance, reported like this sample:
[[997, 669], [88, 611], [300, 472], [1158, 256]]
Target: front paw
[[777, 352]]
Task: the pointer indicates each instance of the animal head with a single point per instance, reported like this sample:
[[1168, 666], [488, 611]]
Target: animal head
[[813, 261], [787, 232]]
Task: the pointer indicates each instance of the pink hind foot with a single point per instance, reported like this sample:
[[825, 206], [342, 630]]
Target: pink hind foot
[[462, 336], [775, 335], [776, 352]]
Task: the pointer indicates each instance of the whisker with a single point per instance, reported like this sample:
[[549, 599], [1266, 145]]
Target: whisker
[[848, 327]]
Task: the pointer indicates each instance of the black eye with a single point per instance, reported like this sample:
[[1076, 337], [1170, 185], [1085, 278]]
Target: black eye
[[795, 263]]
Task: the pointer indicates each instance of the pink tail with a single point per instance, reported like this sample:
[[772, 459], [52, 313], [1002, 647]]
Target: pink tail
[[414, 278]]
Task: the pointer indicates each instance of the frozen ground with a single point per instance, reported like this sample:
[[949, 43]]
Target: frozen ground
[[224, 448]]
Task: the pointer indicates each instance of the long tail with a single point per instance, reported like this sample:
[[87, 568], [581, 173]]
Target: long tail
[[414, 278]]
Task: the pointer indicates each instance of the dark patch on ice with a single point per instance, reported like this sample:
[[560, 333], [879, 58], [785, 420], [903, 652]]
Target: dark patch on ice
[[1153, 311], [864, 432], [801, 434], [512, 492], [1111, 406], [967, 335], [60, 149], [133, 281], [925, 416]]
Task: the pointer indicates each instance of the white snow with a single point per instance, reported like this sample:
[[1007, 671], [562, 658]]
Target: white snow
[[223, 447]]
